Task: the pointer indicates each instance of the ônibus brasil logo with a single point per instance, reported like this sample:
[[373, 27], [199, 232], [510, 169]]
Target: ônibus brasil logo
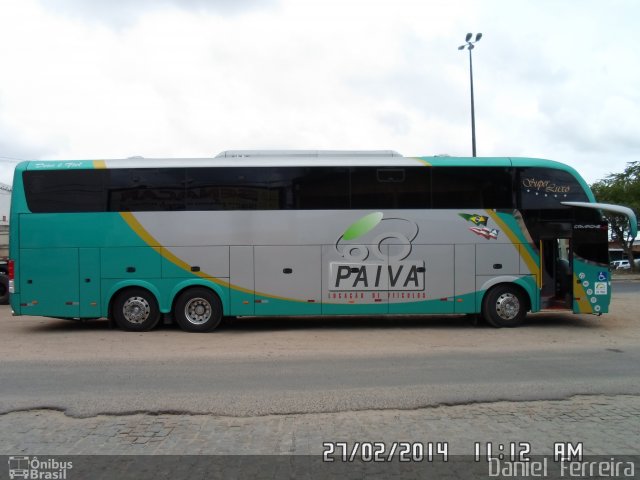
[[35, 468], [375, 250]]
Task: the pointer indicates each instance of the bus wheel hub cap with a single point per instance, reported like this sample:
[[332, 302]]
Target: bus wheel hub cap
[[197, 311], [507, 306], [136, 310]]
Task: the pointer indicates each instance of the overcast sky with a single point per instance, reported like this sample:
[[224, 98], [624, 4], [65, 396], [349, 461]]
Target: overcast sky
[[84, 79]]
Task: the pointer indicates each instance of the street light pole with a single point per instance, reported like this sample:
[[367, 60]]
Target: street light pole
[[469, 45]]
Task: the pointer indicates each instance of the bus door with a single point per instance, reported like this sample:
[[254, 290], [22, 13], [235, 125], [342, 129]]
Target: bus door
[[557, 272], [591, 264]]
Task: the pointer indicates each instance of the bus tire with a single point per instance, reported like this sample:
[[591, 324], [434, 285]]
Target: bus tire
[[504, 306], [198, 310], [136, 310], [4, 289]]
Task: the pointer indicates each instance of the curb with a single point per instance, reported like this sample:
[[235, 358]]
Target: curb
[[625, 276]]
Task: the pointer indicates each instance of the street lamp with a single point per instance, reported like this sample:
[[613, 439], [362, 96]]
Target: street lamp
[[469, 45]]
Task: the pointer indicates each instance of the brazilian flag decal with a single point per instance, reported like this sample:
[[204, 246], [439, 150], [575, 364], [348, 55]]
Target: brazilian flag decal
[[475, 219], [480, 226]]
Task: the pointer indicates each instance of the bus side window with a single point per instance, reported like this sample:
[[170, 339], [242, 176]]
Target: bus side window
[[50, 191], [383, 188], [322, 188], [471, 187], [390, 175], [145, 189], [233, 188], [545, 188]]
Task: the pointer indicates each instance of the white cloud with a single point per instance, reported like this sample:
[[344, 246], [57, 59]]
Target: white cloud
[[191, 79], [124, 13]]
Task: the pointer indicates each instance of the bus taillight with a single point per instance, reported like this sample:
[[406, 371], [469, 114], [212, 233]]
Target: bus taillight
[[12, 270]]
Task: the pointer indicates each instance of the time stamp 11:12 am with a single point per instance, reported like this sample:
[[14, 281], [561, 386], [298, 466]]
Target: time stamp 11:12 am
[[439, 451]]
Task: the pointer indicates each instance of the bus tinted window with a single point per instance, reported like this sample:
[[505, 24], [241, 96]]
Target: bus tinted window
[[64, 190], [472, 187], [145, 189], [373, 187], [543, 188], [590, 234], [322, 188], [232, 189], [267, 188], [270, 188]]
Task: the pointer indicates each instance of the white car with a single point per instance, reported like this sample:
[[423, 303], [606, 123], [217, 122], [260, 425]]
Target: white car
[[621, 265]]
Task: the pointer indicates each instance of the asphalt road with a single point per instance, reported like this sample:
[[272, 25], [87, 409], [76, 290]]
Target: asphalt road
[[249, 388], [626, 287], [258, 367]]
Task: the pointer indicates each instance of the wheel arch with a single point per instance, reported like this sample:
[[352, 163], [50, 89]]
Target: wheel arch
[[116, 289], [198, 309], [525, 283], [166, 302], [179, 288]]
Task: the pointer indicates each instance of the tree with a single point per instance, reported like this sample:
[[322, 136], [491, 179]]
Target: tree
[[621, 189]]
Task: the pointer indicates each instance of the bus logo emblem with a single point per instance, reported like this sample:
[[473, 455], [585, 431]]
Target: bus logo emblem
[[18, 467], [375, 250]]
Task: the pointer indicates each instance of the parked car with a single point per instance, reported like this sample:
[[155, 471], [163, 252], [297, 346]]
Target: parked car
[[621, 265]]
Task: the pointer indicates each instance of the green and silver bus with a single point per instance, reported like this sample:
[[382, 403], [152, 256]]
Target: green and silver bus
[[256, 233]]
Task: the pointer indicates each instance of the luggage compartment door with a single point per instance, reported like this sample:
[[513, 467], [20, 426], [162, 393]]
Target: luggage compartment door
[[49, 282], [288, 280]]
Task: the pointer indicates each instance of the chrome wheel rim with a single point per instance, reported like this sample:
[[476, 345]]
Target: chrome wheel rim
[[507, 306], [136, 310], [197, 311]]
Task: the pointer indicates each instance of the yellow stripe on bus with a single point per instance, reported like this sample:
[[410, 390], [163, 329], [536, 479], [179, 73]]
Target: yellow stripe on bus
[[534, 268], [423, 161], [581, 297], [150, 240]]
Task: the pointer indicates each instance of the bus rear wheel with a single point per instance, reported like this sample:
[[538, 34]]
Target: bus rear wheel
[[198, 310], [504, 306], [136, 310]]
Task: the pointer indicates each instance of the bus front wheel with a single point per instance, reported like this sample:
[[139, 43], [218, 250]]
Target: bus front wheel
[[136, 310], [504, 306], [198, 310]]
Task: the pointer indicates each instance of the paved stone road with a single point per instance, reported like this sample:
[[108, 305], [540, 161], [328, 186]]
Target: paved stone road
[[607, 425]]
